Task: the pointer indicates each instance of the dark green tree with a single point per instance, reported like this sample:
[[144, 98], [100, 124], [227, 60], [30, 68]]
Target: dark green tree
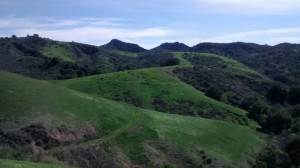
[[293, 150], [14, 36], [276, 121], [277, 94], [214, 92], [294, 95]]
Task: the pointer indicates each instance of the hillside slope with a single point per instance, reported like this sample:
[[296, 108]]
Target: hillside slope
[[43, 58], [156, 89], [210, 72], [114, 134], [279, 62]]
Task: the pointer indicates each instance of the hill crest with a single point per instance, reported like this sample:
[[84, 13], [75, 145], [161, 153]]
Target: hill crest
[[116, 44], [175, 46]]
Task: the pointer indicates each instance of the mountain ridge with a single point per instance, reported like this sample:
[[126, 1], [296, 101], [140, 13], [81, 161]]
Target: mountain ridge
[[116, 44]]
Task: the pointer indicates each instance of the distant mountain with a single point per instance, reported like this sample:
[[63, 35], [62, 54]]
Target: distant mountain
[[280, 62], [43, 58], [234, 50], [176, 46], [123, 46]]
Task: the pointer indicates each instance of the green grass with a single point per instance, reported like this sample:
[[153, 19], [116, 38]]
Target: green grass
[[231, 64], [226, 140], [183, 61], [25, 164], [145, 84], [24, 98], [58, 50]]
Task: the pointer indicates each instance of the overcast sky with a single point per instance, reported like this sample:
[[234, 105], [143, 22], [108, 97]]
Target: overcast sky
[[152, 22]]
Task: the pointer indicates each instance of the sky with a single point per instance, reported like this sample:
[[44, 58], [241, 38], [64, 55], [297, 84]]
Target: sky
[[152, 22]]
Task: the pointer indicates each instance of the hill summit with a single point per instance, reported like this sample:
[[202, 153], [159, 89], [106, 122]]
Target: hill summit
[[116, 44], [176, 46]]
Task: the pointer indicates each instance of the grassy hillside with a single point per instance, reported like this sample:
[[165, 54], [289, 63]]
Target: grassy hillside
[[235, 82], [136, 136], [59, 50], [26, 98], [195, 58], [156, 89]]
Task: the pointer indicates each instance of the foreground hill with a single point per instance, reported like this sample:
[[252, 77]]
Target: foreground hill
[[156, 89], [50, 122]]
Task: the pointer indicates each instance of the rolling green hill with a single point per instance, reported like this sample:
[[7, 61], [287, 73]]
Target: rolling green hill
[[126, 135], [156, 89]]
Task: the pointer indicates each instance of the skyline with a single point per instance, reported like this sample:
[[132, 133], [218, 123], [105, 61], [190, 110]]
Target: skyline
[[151, 23]]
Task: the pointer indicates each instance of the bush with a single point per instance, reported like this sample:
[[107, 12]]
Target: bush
[[7, 153], [293, 150], [272, 157], [170, 62], [214, 92], [276, 121]]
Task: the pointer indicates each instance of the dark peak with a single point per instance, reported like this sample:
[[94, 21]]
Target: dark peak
[[116, 41], [175, 46], [241, 48], [116, 44], [286, 44]]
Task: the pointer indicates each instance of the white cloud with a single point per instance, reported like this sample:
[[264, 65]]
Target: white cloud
[[98, 36], [252, 7], [267, 32], [291, 39], [99, 31], [95, 31], [267, 36]]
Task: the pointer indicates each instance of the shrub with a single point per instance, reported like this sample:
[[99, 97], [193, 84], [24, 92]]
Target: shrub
[[214, 92], [276, 121], [293, 150]]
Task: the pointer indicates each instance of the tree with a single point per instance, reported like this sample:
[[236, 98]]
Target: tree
[[294, 95], [257, 109], [276, 121], [214, 92], [271, 157], [13, 36], [170, 62], [293, 150], [277, 94]]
